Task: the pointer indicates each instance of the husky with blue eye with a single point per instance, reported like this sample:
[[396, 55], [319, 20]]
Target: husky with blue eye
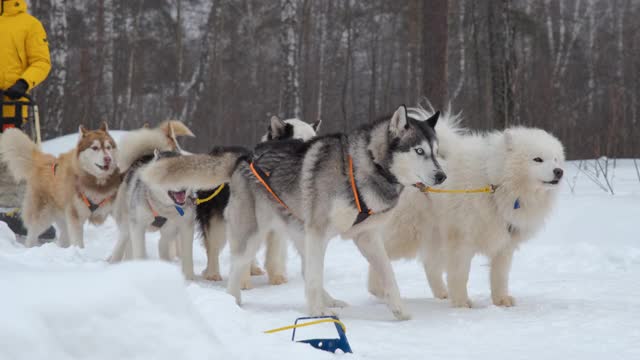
[[341, 184]]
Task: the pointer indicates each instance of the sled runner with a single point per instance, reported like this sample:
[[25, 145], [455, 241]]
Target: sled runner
[[330, 345], [18, 120]]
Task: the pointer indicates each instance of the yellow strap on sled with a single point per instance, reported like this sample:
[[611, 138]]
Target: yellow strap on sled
[[209, 198], [486, 189], [344, 328]]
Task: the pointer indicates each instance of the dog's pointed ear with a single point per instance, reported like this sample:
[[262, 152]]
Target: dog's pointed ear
[[508, 140], [316, 125], [399, 121], [433, 120], [104, 126], [82, 131], [276, 126]]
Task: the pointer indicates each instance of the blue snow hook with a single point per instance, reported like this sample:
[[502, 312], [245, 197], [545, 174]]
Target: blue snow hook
[[331, 345]]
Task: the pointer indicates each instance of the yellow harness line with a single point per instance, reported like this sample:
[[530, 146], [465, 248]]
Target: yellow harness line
[[344, 328], [486, 189], [209, 198]]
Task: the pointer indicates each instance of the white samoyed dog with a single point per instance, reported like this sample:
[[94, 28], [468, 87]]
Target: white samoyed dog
[[525, 165]]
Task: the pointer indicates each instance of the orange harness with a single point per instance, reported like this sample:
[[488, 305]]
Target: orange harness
[[260, 175], [90, 205], [363, 211]]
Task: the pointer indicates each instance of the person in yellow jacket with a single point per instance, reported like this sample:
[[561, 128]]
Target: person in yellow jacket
[[24, 63]]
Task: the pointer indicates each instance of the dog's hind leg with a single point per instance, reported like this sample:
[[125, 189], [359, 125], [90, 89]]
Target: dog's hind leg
[[275, 258], [123, 242], [500, 266], [185, 240], [136, 237], [63, 233], [315, 247], [214, 240], [372, 248], [74, 226], [242, 253], [36, 219]]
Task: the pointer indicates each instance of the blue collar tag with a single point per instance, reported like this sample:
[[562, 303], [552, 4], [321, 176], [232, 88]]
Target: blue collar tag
[[179, 210], [516, 204]]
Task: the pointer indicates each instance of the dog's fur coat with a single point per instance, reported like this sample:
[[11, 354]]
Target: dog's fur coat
[[447, 230], [55, 187]]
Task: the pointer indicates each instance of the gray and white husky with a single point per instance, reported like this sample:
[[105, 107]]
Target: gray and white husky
[[341, 184], [142, 206], [209, 214]]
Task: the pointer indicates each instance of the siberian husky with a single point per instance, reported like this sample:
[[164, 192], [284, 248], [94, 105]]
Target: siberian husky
[[343, 184], [76, 187], [143, 206]]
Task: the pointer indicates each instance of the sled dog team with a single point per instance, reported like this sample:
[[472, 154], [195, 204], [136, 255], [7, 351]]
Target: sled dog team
[[372, 185]]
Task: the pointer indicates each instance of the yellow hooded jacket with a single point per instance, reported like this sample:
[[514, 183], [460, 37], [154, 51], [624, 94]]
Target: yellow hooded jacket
[[24, 50]]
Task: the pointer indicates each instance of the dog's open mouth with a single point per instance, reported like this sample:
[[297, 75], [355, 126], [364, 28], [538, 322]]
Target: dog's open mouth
[[178, 197], [104, 167], [552, 182]]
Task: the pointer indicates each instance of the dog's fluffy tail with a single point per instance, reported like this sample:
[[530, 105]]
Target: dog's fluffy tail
[[145, 141], [18, 152], [193, 171]]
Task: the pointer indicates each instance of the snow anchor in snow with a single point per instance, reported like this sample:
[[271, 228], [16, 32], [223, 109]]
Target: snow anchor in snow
[[330, 345]]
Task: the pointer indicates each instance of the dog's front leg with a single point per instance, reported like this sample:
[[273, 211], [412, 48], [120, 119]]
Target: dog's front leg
[[372, 248], [74, 226], [500, 266], [315, 247], [186, 249], [136, 236], [458, 267], [168, 238], [433, 262]]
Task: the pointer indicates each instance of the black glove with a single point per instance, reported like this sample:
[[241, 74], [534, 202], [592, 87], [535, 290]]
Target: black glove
[[18, 90]]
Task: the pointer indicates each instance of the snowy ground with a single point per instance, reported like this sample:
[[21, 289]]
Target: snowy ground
[[577, 286]]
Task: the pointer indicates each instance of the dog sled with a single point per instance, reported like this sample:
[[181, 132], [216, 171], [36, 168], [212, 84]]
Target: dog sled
[[18, 120]]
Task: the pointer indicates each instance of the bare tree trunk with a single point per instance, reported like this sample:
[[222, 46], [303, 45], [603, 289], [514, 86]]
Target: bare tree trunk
[[177, 102], [502, 62], [461, 46], [434, 52], [290, 98], [323, 40], [56, 82]]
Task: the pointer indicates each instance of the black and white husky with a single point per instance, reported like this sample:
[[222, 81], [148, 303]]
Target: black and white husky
[[209, 214], [342, 184]]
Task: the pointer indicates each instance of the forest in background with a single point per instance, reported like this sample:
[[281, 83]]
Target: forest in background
[[224, 66]]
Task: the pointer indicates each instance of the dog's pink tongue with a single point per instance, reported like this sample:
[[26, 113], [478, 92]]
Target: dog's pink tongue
[[180, 196]]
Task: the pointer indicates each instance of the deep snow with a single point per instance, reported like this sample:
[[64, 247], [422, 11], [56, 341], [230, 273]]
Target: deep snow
[[576, 286]]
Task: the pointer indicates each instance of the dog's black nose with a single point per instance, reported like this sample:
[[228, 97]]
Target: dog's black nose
[[440, 177], [558, 172]]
